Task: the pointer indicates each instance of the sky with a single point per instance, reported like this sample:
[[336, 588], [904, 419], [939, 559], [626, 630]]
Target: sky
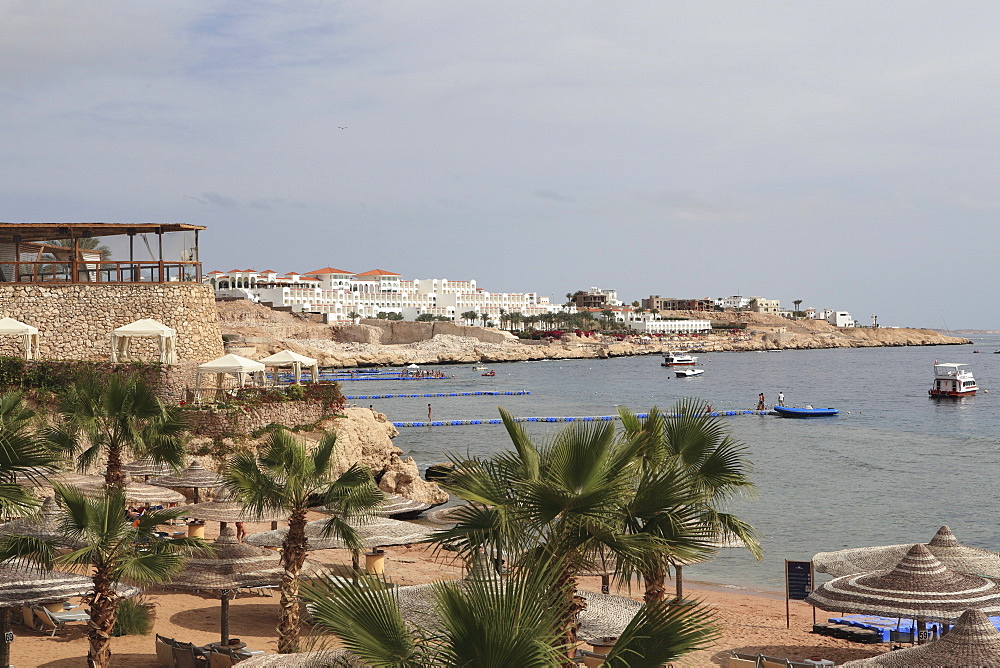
[[843, 153]]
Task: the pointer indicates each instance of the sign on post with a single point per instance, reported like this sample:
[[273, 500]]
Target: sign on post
[[798, 584]]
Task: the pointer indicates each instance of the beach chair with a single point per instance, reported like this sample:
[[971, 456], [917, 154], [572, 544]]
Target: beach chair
[[217, 659], [188, 655], [737, 660], [28, 618], [165, 650], [771, 662], [58, 620]]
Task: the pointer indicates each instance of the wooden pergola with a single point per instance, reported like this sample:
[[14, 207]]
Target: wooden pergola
[[69, 264]]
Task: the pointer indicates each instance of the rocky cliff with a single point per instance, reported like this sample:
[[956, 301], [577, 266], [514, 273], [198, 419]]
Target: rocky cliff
[[256, 331]]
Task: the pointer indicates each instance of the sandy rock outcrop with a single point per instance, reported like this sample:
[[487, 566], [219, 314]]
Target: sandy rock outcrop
[[402, 477]]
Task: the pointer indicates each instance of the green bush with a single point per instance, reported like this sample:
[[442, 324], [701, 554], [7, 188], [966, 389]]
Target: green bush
[[134, 618]]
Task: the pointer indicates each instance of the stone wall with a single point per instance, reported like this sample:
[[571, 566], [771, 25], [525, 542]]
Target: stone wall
[[244, 421], [75, 321], [393, 332]]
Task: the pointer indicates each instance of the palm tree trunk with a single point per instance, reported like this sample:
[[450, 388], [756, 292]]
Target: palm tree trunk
[[114, 476], [679, 582], [569, 621], [103, 613], [293, 555], [656, 589]]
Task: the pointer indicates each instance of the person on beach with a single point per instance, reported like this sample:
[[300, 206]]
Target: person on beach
[[761, 405], [781, 398], [241, 531]]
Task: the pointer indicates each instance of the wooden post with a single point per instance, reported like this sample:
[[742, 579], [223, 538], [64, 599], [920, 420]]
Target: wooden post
[[159, 238], [73, 267], [5, 635], [225, 615], [17, 263]]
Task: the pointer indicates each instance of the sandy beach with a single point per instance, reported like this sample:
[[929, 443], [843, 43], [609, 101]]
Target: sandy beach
[[753, 622]]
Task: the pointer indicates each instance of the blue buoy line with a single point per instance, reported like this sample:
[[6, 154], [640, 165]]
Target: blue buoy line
[[515, 393], [588, 418]]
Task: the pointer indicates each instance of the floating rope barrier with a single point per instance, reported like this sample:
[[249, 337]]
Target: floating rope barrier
[[588, 418], [516, 393]]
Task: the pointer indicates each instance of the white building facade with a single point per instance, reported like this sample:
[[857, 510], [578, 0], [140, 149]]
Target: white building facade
[[338, 294], [671, 326]]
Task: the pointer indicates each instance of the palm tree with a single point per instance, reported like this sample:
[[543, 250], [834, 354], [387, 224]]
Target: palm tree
[[112, 416], [798, 303], [696, 449], [469, 316], [485, 317], [354, 315], [22, 451], [494, 623], [115, 550], [288, 476], [607, 314], [515, 318], [569, 498]]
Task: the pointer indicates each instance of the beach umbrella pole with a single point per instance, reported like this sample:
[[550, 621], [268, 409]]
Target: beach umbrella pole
[[224, 595], [4, 631]]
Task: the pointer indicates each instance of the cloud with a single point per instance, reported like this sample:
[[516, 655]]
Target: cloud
[[552, 195], [216, 200]]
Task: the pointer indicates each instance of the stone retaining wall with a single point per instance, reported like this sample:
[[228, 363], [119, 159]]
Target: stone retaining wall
[[75, 321], [242, 422]]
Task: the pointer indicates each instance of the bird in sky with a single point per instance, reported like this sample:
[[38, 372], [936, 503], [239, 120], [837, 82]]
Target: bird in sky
[[342, 127]]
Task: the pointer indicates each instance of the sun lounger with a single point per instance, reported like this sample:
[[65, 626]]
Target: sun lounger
[[58, 620], [771, 662], [188, 655], [165, 650]]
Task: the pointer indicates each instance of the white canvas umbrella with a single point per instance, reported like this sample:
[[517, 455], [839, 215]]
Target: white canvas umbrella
[[146, 328], [287, 358], [244, 370], [27, 333]]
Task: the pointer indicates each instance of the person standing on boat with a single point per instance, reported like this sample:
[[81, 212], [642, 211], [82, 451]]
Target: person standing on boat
[[781, 398], [761, 405]]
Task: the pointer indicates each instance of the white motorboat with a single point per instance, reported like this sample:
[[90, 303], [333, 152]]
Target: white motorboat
[[952, 380], [688, 373], [676, 358]]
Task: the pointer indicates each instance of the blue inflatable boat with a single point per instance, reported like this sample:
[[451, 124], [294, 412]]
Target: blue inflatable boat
[[785, 411]]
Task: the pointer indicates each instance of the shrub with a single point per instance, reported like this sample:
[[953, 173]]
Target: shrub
[[134, 617]]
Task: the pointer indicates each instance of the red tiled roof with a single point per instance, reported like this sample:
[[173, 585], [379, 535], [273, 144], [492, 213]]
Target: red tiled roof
[[269, 271], [217, 272], [378, 272], [329, 270]]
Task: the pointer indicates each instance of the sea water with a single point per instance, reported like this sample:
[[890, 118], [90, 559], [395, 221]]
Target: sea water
[[893, 467]]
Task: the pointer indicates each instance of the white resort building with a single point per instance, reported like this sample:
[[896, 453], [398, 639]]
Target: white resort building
[[337, 294]]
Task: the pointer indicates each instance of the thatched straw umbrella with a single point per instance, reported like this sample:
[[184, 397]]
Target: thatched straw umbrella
[[605, 615], [402, 508], [64, 478], [228, 567], [196, 477], [224, 509], [375, 533], [44, 524], [30, 586], [973, 641], [944, 546], [302, 660], [146, 468], [919, 587]]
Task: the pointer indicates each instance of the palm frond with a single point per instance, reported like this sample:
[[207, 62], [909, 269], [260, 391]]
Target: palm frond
[[365, 617], [661, 632]]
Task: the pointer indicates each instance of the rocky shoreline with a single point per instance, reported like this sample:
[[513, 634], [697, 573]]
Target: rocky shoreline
[[255, 331]]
